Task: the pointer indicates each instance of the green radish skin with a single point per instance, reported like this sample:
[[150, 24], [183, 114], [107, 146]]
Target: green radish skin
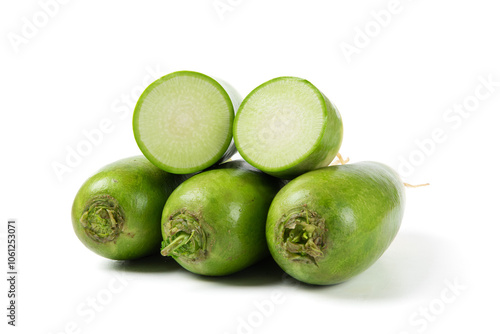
[[183, 122], [285, 127], [117, 212], [214, 223], [331, 224]]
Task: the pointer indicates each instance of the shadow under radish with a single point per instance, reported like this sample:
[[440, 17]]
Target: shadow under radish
[[150, 264], [265, 272], [403, 270]]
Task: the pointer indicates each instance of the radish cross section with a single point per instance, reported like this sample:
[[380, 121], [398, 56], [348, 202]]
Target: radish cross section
[[286, 127], [183, 122]]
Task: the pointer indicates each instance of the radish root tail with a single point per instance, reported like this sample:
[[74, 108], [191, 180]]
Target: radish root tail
[[416, 186], [340, 160]]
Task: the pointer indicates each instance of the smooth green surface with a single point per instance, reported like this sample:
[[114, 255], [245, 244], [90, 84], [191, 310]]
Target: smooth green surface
[[286, 127], [183, 122], [140, 191], [230, 204], [362, 207]]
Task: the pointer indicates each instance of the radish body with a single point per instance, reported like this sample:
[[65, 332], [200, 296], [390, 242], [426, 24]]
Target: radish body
[[286, 127], [331, 224], [117, 211], [183, 122], [214, 223]]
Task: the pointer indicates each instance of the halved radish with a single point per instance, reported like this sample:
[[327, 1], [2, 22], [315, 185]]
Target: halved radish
[[286, 127], [183, 122]]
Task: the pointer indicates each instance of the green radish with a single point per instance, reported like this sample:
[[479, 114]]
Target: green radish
[[214, 223], [286, 127], [331, 224], [183, 122], [117, 212]]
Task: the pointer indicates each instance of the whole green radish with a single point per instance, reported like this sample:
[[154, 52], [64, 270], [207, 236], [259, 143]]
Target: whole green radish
[[331, 224], [214, 223], [117, 212]]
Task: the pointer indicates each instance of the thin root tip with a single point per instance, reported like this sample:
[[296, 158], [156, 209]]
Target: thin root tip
[[416, 185], [340, 160]]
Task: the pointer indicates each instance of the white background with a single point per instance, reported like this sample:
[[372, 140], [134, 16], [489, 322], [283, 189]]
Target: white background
[[79, 66]]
